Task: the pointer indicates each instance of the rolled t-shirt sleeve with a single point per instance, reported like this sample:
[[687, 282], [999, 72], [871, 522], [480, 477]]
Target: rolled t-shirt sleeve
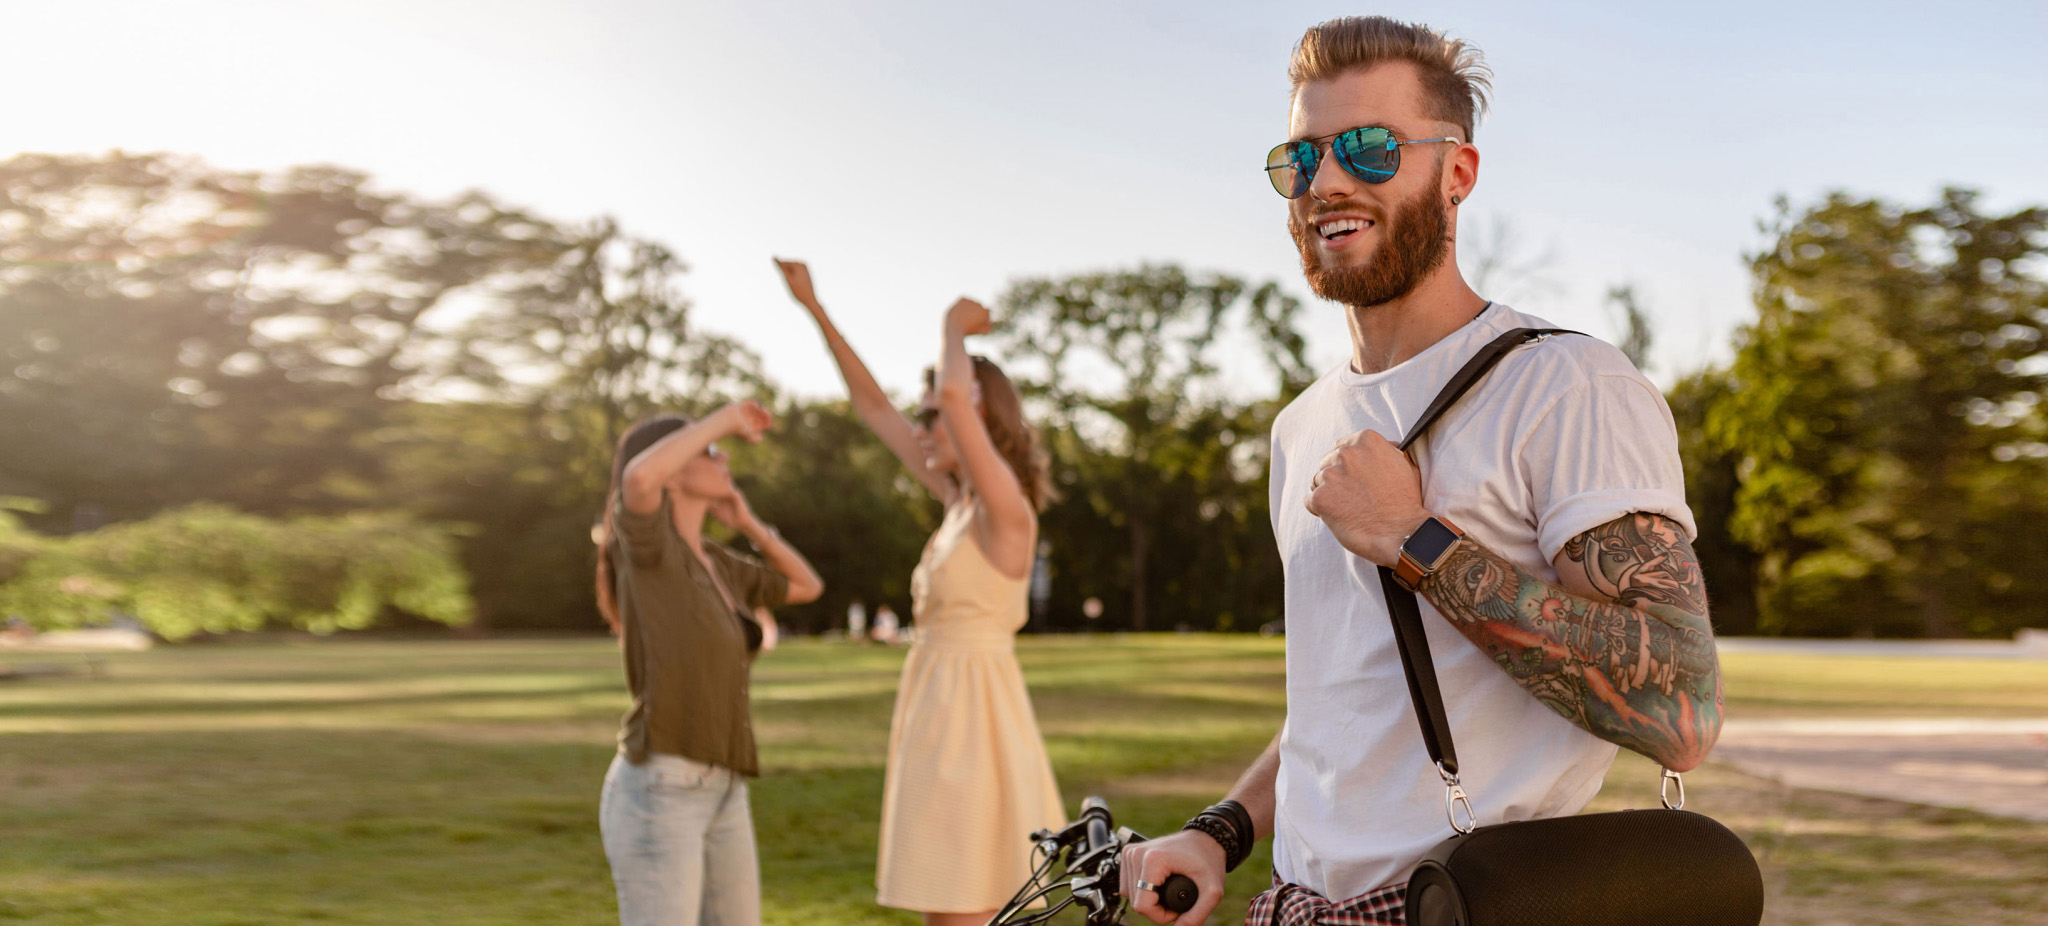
[[1606, 449], [643, 537]]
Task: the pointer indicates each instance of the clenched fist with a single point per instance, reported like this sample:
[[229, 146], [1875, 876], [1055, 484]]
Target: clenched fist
[[1194, 854], [967, 317], [1369, 494], [747, 420], [798, 278]]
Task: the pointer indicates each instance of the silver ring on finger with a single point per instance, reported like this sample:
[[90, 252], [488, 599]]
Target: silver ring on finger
[[1145, 885]]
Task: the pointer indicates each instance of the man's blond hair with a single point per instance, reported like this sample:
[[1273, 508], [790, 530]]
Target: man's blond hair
[[1455, 78]]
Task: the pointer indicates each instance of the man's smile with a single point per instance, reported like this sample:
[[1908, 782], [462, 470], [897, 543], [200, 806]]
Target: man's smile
[[1333, 229], [1336, 232]]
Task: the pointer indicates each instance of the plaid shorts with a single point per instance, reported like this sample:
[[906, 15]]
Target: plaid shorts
[[1294, 905]]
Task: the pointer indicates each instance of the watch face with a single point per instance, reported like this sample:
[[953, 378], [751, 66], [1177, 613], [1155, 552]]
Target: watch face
[[1429, 542]]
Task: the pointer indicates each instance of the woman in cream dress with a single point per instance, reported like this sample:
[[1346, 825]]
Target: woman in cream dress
[[968, 779]]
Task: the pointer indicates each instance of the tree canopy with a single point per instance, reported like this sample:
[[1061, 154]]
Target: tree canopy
[[247, 399], [1884, 408], [1150, 445]]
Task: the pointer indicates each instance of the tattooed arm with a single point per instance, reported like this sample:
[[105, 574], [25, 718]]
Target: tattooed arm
[[1620, 645]]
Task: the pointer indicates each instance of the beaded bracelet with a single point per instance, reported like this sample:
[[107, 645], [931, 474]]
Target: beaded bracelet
[[1246, 833], [1223, 832], [1230, 824]]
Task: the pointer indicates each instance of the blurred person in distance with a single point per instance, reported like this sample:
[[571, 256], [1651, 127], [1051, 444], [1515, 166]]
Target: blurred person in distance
[[955, 839], [691, 616]]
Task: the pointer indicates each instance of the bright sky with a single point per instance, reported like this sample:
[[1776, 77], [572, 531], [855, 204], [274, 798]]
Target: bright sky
[[916, 150]]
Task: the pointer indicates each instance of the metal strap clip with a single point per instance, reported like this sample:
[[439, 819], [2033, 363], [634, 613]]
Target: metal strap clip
[[1454, 797], [1664, 791]]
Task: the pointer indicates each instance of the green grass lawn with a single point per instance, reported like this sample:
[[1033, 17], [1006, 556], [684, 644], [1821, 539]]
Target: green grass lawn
[[446, 783]]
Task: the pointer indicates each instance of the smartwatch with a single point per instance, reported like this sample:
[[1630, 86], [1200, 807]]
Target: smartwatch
[[1424, 550]]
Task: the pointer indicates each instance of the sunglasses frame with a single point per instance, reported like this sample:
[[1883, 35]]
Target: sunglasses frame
[[1306, 176]]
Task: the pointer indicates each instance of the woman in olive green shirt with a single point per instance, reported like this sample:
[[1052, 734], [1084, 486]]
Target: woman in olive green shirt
[[691, 615]]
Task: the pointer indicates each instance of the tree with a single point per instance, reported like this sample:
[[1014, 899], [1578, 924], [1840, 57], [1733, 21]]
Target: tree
[[606, 329], [1498, 262], [1885, 410], [1148, 443], [209, 569], [300, 342], [1636, 335], [181, 332], [1712, 479], [558, 369]]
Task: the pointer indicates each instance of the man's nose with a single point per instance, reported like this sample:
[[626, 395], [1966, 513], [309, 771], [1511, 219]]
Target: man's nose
[[1331, 181]]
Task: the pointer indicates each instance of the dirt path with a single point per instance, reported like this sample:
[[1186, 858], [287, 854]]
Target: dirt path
[[1991, 766]]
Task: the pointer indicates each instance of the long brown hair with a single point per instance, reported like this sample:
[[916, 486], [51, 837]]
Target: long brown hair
[[1002, 411], [642, 435]]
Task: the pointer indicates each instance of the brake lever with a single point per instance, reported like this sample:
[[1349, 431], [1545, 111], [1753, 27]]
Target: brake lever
[[1100, 894], [1100, 911]]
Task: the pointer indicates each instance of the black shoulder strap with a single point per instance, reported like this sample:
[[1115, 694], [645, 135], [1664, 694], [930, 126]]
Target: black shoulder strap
[[1409, 636]]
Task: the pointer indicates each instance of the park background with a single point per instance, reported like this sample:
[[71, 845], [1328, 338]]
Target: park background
[[323, 317]]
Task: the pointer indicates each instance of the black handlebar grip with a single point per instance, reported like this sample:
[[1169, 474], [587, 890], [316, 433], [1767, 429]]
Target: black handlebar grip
[[1099, 828], [1178, 894]]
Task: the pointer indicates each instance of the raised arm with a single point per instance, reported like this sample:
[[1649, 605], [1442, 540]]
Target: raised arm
[[1621, 645], [1007, 521], [647, 472], [869, 401]]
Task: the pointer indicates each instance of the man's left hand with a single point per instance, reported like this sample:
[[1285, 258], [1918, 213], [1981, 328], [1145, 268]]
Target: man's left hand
[[1370, 495]]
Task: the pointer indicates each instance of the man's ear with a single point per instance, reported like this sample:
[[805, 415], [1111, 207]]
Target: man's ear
[[1461, 174]]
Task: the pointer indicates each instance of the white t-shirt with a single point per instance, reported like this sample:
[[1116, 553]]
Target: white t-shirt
[[1563, 436]]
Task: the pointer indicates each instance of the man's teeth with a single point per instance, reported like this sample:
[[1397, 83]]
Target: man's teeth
[[1341, 226]]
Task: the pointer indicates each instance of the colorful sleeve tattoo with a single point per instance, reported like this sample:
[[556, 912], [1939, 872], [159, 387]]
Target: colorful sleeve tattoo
[[1634, 666]]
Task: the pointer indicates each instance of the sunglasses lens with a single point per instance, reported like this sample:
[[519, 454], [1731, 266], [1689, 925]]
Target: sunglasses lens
[[1368, 154], [1291, 166]]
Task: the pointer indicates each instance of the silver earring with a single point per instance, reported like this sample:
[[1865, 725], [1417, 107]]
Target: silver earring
[[1455, 200]]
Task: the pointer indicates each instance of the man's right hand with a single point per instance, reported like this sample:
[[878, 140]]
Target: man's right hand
[[1188, 852]]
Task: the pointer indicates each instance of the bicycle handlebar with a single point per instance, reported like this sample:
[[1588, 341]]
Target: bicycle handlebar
[[1093, 847], [1099, 835]]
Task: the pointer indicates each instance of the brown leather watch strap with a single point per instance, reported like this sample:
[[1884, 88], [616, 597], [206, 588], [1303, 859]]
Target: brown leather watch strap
[[1409, 573]]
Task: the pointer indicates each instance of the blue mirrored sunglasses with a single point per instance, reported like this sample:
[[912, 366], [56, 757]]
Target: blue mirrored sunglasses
[[1371, 154]]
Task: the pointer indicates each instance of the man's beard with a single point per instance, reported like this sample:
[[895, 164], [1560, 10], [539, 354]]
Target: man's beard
[[1413, 243]]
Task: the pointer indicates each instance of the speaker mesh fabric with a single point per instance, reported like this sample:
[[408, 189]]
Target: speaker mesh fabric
[[1632, 868]]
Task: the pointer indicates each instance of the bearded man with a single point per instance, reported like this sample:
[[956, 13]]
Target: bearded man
[[1561, 593]]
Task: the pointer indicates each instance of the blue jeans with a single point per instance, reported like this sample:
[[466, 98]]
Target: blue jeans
[[681, 843]]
